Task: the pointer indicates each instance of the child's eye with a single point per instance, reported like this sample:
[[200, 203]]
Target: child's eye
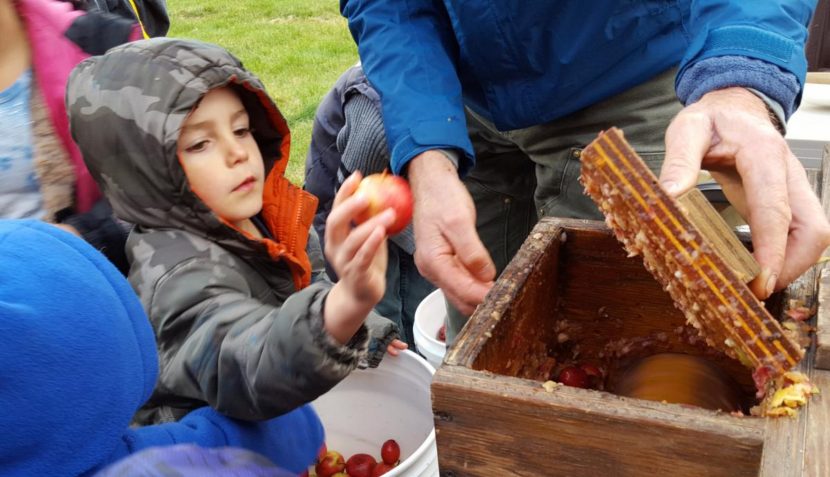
[[199, 146], [242, 132]]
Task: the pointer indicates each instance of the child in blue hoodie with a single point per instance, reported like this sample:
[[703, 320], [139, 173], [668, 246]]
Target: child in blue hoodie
[[77, 359]]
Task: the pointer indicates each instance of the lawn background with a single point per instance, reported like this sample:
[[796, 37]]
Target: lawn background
[[298, 48]]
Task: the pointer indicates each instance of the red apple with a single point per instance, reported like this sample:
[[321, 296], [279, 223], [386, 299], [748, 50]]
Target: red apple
[[322, 452], [385, 191], [390, 452], [573, 376], [381, 469], [341, 474], [442, 333], [330, 464], [594, 373], [360, 465]]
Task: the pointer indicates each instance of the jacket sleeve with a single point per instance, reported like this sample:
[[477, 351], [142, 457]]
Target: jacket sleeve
[[102, 230], [420, 90], [247, 359], [291, 441], [773, 31], [96, 32]]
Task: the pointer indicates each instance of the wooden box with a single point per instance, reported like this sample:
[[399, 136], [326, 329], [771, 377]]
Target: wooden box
[[572, 289]]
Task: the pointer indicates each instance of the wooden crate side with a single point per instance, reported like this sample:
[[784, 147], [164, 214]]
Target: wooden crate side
[[817, 448], [617, 312], [822, 183], [488, 425], [543, 239], [784, 445], [823, 322]]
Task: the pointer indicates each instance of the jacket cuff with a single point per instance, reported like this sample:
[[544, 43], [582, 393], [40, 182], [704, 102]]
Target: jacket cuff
[[720, 72], [449, 134], [349, 354], [382, 331]]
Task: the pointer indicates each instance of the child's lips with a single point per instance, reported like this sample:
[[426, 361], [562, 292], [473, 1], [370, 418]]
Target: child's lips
[[246, 185]]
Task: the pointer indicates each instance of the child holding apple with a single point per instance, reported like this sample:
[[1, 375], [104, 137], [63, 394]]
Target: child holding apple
[[187, 145], [348, 136]]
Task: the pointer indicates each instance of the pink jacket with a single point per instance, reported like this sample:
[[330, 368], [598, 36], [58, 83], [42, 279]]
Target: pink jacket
[[53, 57]]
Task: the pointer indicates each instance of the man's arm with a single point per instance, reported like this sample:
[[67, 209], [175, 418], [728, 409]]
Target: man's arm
[[408, 52]]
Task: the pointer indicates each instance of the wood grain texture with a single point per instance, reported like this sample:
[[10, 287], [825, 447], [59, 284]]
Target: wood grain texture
[[710, 223], [494, 426], [822, 360], [823, 316], [784, 445]]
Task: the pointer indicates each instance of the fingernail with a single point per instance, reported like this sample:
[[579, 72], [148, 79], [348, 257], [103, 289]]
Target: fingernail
[[670, 187], [770, 286], [389, 216]]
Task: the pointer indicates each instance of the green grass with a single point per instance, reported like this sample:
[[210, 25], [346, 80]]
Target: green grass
[[297, 47]]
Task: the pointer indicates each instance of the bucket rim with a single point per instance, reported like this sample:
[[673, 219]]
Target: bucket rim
[[432, 340]]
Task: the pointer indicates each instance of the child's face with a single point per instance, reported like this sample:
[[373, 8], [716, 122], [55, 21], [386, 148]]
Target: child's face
[[220, 157]]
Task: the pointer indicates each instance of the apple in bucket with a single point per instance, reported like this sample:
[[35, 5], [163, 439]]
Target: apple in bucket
[[386, 191]]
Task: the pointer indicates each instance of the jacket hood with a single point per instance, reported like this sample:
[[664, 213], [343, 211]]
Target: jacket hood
[[126, 110], [77, 354]]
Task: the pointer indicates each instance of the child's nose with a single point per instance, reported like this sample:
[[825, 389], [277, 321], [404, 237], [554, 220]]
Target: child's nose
[[237, 153]]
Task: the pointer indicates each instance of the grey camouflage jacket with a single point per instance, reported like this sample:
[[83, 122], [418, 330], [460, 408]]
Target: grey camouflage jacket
[[232, 329]]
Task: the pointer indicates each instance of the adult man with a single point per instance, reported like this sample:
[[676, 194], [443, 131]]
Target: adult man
[[540, 79]]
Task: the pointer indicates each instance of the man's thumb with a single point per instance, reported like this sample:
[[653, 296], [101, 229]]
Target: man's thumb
[[687, 140]]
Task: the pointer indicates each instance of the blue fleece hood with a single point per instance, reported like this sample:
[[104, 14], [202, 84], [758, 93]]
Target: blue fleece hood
[[78, 358], [77, 354]]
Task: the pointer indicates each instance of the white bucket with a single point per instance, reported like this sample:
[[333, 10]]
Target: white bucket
[[429, 316], [391, 401]]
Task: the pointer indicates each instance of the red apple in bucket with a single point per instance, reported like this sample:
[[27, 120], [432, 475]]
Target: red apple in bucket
[[385, 191], [360, 465], [330, 464], [381, 469], [390, 452]]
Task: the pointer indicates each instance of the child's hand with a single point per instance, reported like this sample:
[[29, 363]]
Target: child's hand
[[395, 347], [357, 254]]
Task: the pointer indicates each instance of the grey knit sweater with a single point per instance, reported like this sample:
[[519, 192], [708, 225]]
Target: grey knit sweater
[[362, 145]]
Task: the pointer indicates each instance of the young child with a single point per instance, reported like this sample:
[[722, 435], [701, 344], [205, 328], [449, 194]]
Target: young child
[[77, 359], [187, 145]]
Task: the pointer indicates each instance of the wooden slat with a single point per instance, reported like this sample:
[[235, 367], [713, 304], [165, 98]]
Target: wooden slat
[[719, 234], [511, 426], [650, 223], [823, 316], [785, 441], [817, 449]]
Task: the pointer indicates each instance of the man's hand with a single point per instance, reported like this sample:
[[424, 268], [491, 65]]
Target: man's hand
[[729, 133], [448, 251]]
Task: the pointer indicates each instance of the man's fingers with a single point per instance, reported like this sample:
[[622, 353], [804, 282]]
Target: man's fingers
[[761, 164], [809, 230], [461, 288], [470, 252], [688, 138]]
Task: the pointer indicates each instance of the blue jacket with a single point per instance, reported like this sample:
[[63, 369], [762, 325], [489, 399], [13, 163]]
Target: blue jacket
[[520, 62], [78, 358]]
